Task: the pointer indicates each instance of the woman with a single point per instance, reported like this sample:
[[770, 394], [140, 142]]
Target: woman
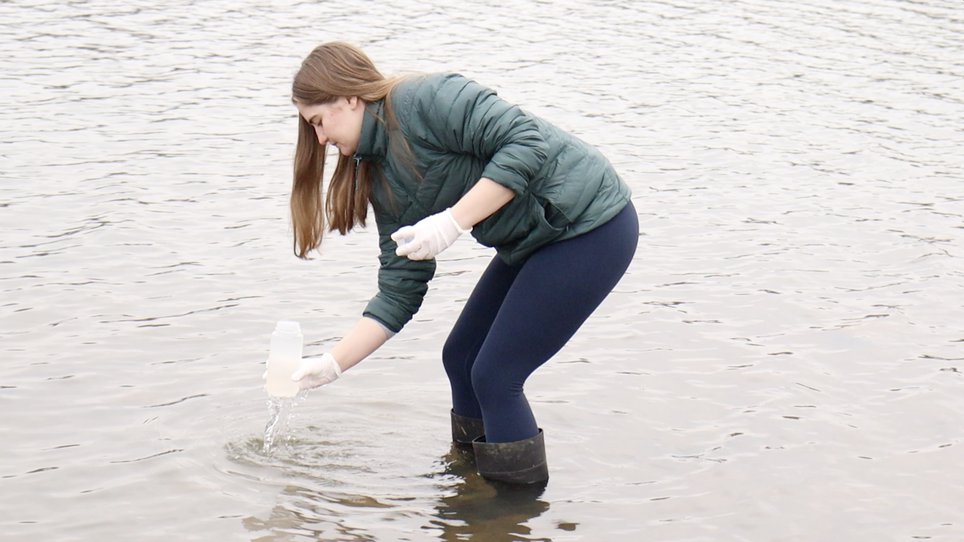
[[438, 156]]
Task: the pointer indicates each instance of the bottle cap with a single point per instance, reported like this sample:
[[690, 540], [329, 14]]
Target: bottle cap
[[288, 327]]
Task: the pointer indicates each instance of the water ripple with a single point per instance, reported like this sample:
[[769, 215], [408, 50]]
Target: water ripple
[[792, 307]]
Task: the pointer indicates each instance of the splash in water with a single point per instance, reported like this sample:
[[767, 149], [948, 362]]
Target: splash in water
[[279, 419]]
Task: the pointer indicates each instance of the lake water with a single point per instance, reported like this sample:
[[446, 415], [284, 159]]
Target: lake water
[[783, 361]]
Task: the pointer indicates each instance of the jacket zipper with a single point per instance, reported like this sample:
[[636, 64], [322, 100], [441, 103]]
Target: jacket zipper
[[357, 168]]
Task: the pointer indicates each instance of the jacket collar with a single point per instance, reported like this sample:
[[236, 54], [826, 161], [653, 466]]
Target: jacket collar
[[373, 140]]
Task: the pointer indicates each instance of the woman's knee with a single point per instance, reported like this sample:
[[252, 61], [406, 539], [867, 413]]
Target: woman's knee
[[456, 352], [492, 383]]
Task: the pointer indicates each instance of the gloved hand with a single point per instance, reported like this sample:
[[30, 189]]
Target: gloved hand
[[315, 372], [428, 237]]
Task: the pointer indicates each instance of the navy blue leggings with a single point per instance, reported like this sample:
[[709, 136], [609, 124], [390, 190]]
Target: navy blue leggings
[[519, 316]]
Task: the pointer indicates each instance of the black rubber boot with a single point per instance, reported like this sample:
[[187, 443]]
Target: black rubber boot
[[465, 430], [522, 462]]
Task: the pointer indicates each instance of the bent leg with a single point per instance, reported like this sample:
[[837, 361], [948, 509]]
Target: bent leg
[[555, 291], [470, 330]]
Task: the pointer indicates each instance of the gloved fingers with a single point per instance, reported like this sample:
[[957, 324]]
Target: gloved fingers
[[404, 236], [405, 232], [423, 253], [408, 248], [428, 237], [310, 382], [315, 372]]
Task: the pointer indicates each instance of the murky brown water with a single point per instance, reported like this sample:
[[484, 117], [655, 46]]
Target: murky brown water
[[782, 362]]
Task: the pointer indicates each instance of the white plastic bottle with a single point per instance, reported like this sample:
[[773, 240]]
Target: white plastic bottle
[[283, 359]]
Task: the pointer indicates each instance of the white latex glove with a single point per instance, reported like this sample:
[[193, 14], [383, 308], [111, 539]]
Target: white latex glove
[[314, 372], [428, 237]]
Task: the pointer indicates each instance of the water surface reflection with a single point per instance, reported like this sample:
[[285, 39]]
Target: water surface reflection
[[479, 508], [793, 312], [337, 507]]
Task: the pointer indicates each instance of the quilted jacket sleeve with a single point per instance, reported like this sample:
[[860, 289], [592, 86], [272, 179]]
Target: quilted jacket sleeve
[[402, 283], [462, 116]]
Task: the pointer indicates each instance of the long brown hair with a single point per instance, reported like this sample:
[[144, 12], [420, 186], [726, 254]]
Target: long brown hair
[[333, 70]]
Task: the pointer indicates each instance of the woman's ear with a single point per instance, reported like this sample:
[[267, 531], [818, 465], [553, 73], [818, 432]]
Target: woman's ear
[[353, 101]]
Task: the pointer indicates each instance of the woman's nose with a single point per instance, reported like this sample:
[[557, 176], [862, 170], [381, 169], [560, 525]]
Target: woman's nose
[[321, 135]]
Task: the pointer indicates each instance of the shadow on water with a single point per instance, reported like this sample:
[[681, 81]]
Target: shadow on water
[[478, 508], [461, 505], [310, 515]]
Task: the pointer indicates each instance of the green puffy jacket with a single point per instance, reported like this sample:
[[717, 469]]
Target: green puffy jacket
[[459, 131]]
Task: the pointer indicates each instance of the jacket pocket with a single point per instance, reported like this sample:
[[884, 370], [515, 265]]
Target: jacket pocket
[[525, 222], [554, 218]]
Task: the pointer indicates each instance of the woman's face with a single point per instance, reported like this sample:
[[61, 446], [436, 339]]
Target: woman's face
[[337, 123]]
